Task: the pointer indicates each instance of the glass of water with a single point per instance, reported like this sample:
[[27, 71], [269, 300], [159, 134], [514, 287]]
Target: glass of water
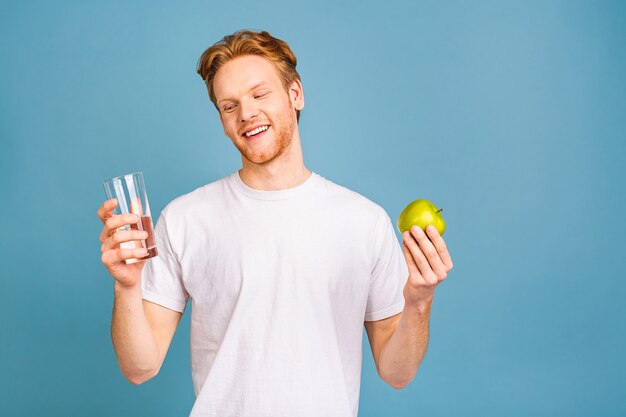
[[130, 192]]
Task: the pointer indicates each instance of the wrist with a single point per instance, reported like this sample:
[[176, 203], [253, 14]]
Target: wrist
[[127, 289], [419, 308]]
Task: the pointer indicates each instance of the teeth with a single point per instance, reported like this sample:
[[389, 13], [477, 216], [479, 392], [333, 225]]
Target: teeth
[[255, 131]]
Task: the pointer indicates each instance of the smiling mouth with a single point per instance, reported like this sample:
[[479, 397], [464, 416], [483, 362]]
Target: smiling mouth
[[256, 132]]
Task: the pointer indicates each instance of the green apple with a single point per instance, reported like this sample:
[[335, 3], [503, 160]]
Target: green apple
[[421, 213]]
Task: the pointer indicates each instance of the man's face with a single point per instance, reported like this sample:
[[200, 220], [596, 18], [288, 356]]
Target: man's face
[[257, 114]]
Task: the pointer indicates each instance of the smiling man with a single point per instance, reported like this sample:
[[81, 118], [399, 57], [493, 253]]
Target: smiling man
[[282, 267]]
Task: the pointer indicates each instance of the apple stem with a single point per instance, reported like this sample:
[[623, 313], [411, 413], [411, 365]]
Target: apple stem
[[441, 209]]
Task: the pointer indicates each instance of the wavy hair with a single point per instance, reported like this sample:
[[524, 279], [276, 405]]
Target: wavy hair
[[247, 42]]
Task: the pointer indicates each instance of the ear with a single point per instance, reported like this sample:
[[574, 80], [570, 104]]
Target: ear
[[296, 94]]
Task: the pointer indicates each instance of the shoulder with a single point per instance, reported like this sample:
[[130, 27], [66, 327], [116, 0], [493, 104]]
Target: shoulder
[[345, 198], [197, 200]]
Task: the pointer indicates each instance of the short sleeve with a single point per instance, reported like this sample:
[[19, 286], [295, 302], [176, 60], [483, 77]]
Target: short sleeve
[[161, 280], [389, 274]]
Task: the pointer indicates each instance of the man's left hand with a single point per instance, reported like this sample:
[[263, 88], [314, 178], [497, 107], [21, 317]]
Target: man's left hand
[[429, 262]]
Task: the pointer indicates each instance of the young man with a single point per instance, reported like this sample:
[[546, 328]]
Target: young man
[[282, 266]]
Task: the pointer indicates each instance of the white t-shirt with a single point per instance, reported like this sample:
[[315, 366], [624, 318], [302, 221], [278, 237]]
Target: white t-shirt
[[280, 284]]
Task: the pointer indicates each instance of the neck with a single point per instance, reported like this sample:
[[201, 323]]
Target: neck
[[283, 172]]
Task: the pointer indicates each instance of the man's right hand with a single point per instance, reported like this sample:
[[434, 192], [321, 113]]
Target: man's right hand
[[113, 257]]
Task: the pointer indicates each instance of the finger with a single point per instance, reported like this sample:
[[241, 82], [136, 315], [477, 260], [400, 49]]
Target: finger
[[429, 251], [113, 257], [420, 259], [115, 222], [123, 236], [413, 269], [106, 209], [440, 246]]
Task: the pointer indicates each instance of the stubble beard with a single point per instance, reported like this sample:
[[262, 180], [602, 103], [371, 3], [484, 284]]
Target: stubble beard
[[284, 131]]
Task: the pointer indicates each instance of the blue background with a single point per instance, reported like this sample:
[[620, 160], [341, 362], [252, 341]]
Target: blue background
[[510, 115]]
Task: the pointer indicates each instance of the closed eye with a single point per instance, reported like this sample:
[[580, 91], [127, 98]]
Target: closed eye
[[261, 95]]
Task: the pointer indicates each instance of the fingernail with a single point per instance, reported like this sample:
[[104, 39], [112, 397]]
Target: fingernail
[[431, 228], [415, 229]]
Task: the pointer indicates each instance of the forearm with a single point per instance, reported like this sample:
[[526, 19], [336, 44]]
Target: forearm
[[401, 356], [134, 342]]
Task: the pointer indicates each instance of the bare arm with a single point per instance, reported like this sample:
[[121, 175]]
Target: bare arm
[[399, 343], [141, 331]]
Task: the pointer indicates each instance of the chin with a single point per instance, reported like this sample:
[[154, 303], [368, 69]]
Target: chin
[[261, 159], [274, 149]]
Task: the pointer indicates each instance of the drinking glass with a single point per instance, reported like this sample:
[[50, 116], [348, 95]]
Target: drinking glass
[[131, 195]]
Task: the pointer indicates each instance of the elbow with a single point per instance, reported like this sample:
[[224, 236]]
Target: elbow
[[138, 378], [398, 381], [398, 384]]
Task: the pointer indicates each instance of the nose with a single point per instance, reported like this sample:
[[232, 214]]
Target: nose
[[248, 110]]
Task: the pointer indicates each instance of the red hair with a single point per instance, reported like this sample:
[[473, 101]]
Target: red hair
[[246, 42]]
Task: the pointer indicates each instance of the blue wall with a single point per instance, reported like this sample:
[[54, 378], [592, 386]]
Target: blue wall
[[510, 115]]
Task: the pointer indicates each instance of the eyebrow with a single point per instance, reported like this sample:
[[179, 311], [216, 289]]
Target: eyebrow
[[262, 83]]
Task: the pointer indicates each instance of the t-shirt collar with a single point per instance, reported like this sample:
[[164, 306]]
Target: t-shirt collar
[[287, 193]]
